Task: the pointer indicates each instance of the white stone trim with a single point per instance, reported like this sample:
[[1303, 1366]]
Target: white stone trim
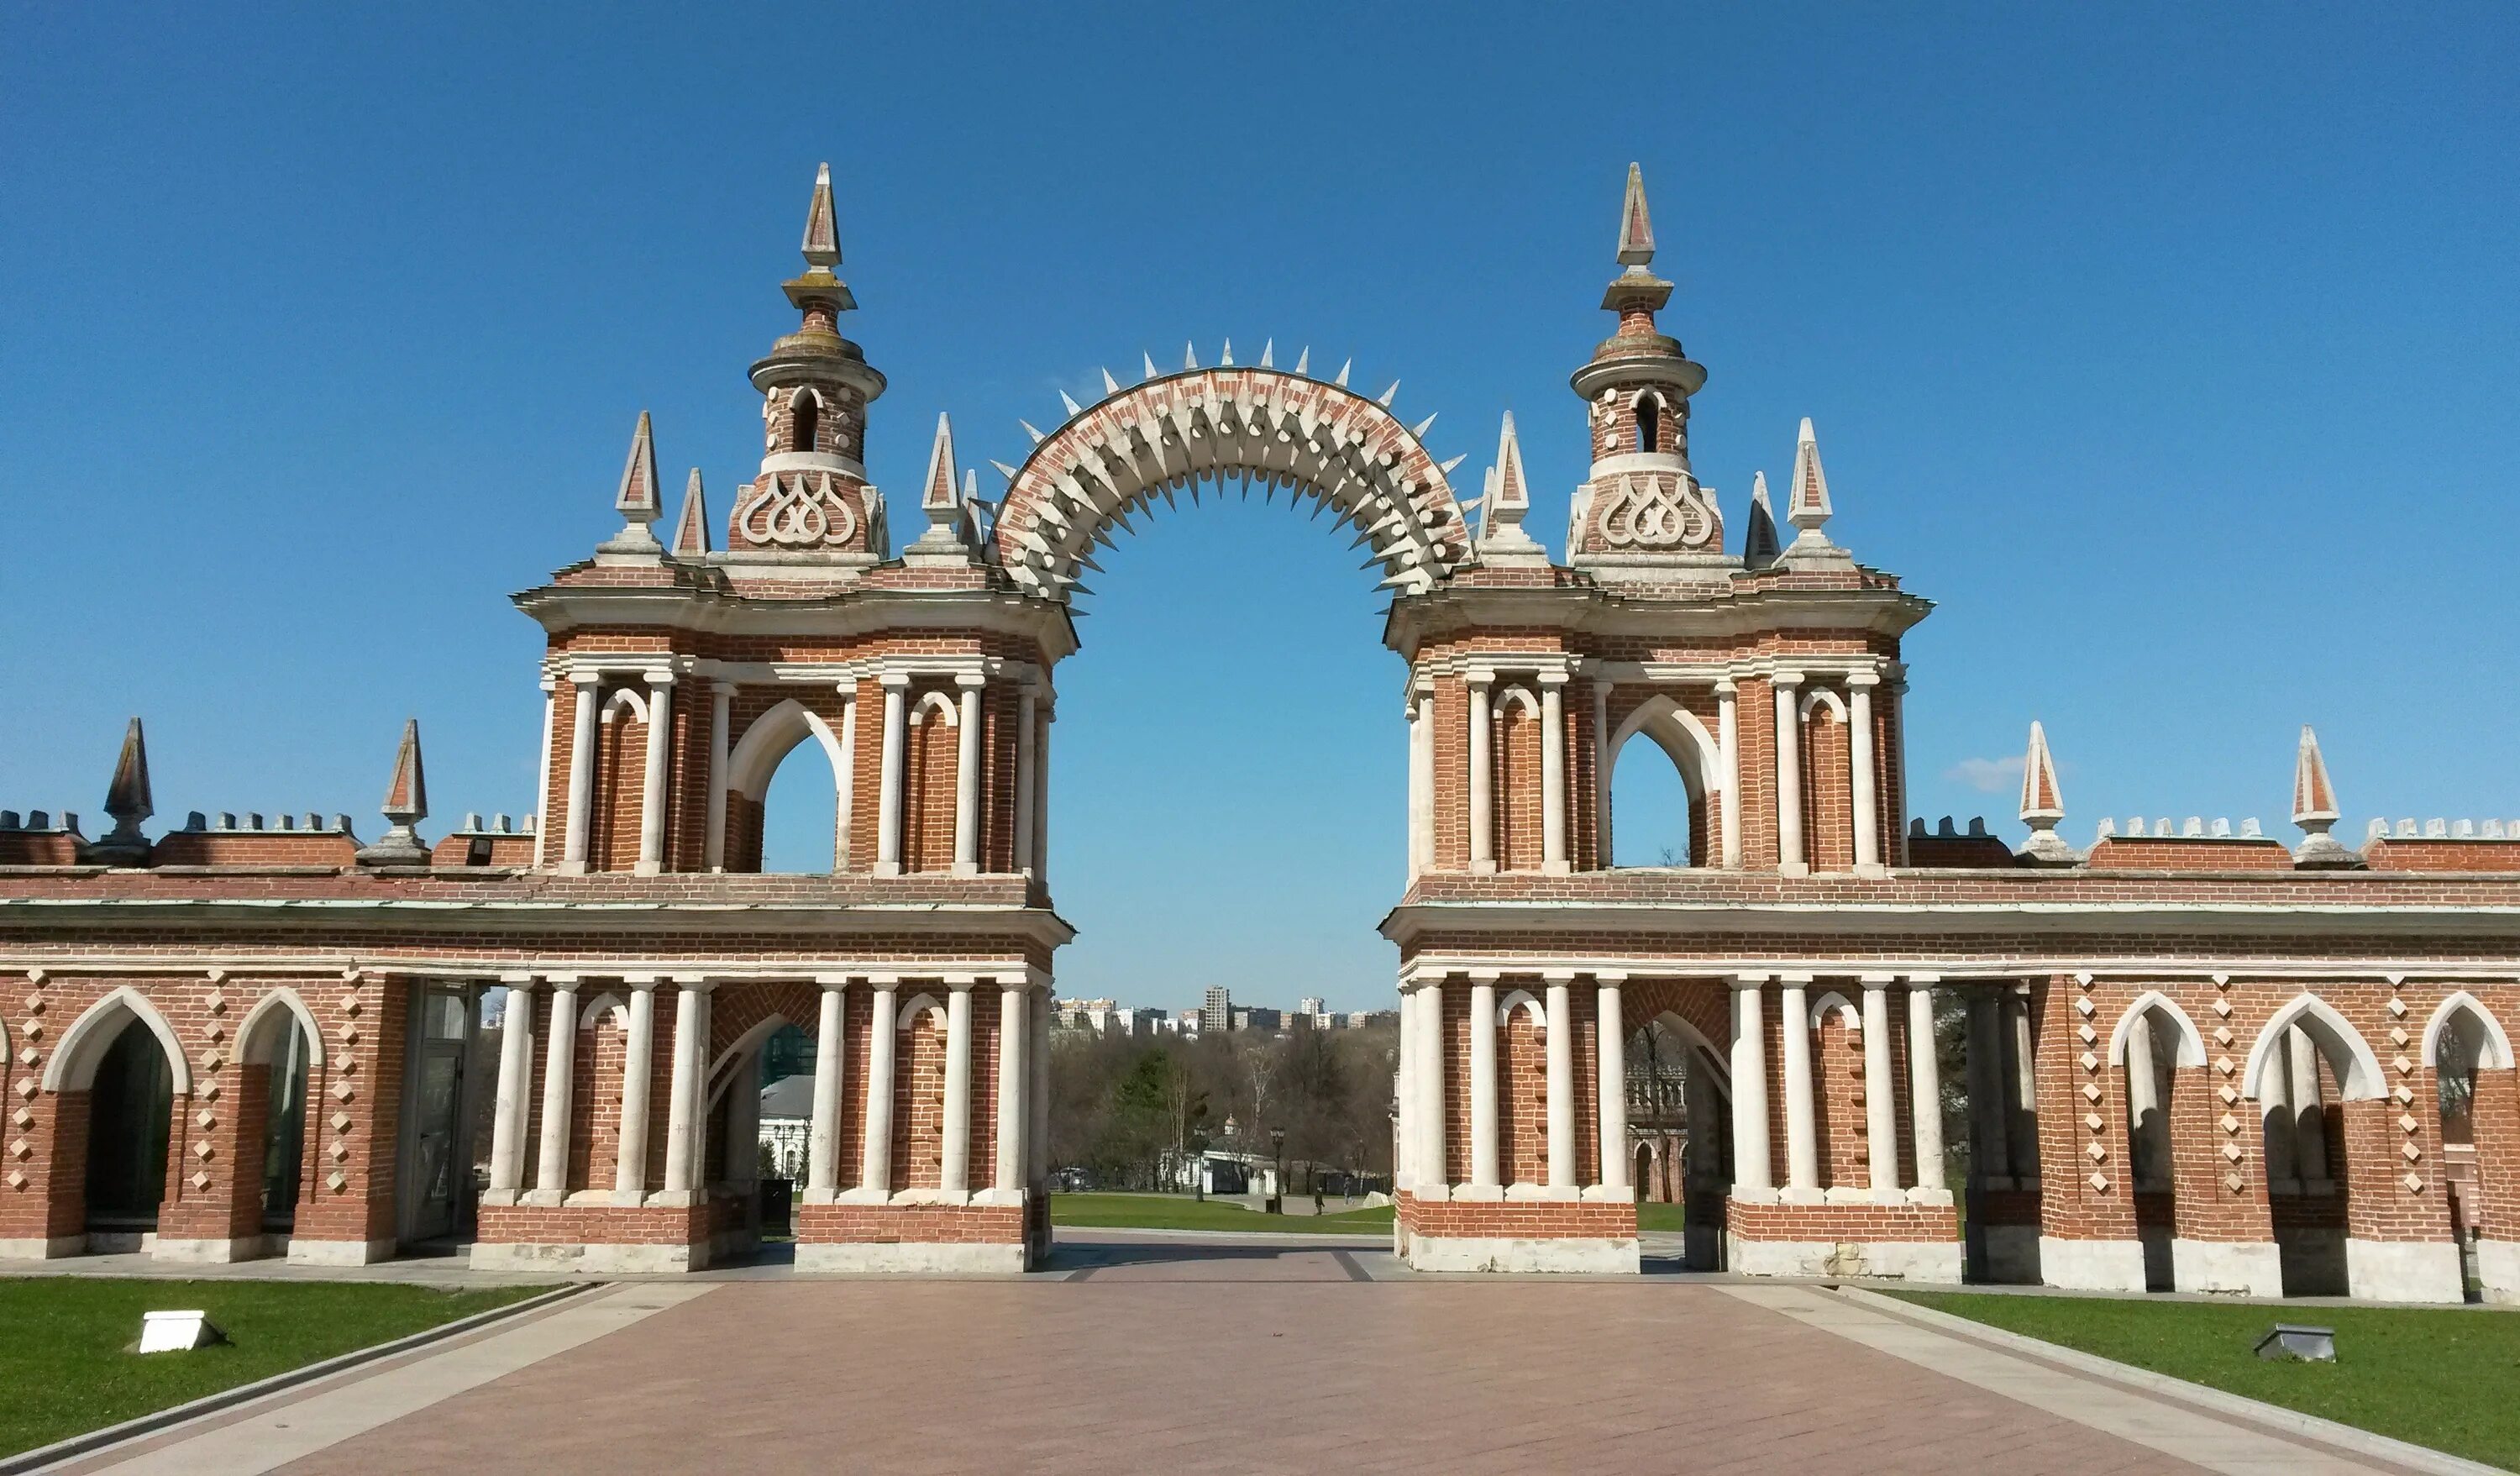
[[987, 1258], [1515, 1255], [623, 697], [769, 739], [606, 1008], [914, 1006], [1820, 696], [1522, 999], [2403, 1271], [2077, 1265], [73, 1062], [2495, 1051], [719, 1077], [281, 999], [2357, 1067], [1832, 1000], [2192, 1042], [1937, 1262], [2226, 1268]]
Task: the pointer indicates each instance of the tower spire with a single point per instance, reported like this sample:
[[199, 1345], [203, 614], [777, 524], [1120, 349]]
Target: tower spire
[[1759, 540], [637, 501], [2314, 808], [1807, 506], [2043, 804], [941, 497], [128, 801], [1636, 227], [1502, 536], [405, 803], [691, 529], [821, 224]]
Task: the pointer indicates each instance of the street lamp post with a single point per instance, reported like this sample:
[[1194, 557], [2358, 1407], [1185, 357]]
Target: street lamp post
[[1278, 1186]]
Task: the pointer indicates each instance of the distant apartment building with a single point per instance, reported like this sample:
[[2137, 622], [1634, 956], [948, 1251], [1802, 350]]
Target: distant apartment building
[[1217, 1016]]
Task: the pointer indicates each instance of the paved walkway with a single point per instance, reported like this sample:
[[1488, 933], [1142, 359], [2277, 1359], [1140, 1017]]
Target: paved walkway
[[1158, 1354]]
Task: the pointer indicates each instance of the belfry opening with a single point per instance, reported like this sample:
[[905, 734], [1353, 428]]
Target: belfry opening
[[1680, 978]]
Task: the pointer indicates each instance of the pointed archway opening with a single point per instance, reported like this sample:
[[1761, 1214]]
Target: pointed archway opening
[[130, 1108]]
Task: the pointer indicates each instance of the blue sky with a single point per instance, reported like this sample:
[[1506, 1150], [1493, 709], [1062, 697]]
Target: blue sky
[[2171, 349]]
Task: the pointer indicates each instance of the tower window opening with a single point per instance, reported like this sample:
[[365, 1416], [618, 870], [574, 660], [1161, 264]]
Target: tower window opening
[[1648, 423], [804, 418]]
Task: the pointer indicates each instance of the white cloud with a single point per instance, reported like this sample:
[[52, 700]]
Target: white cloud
[[1987, 776]]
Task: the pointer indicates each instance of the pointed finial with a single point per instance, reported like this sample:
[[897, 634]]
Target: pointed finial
[[638, 501], [1111, 386], [1387, 396], [1344, 367], [1151, 363], [406, 801], [691, 529], [1807, 507], [2314, 808], [1636, 227], [1268, 352], [1508, 498], [1304, 360], [821, 224], [1070, 401], [1190, 356], [1759, 542], [2043, 803], [1226, 360], [937, 491], [128, 800]]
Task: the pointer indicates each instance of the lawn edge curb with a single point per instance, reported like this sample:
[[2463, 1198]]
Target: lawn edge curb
[[157, 1422], [2221, 1401]]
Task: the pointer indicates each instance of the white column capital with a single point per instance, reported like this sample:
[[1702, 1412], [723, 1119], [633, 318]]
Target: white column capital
[[894, 681], [1786, 679], [1725, 687], [1549, 678], [1750, 981], [548, 683], [1480, 678], [586, 677], [660, 677], [1863, 676]]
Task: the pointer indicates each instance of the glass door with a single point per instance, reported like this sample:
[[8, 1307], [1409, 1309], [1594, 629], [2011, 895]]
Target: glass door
[[434, 1184]]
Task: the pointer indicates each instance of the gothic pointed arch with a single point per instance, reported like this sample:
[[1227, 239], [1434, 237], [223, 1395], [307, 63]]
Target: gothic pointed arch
[[2191, 1043], [2494, 1045], [258, 1036], [72, 1068], [720, 1072], [1283, 429], [768, 739], [2349, 1055]]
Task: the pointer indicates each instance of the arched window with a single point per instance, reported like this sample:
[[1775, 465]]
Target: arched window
[[799, 832], [1649, 423], [130, 1111], [804, 420], [802, 827], [1653, 803]]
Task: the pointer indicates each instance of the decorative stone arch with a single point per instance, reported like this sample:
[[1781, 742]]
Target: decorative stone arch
[[767, 742], [624, 696], [607, 1008], [917, 1007], [257, 1039], [935, 704], [1522, 999], [1516, 696], [1683, 736], [2358, 1069], [1816, 697], [2192, 1042], [2493, 1047], [72, 1068], [721, 1072], [1832, 1000], [1717, 1061], [1254, 423]]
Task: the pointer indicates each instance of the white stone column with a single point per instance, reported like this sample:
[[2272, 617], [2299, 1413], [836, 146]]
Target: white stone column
[[887, 806], [1434, 1177], [845, 786], [1790, 776], [1864, 781], [1924, 1084], [955, 1177], [1037, 1090], [830, 1063], [1482, 777], [559, 1084], [1422, 784], [1011, 1039], [652, 793], [2025, 1086], [1727, 737], [582, 773], [1898, 765], [542, 774], [509, 1106], [1483, 1083], [638, 1067], [2308, 1106], [1601, 773], [967, 780], [1552, 773], [683, 1105], [1750, 1167], [1404, 1095], [721, 718], [874, 1171], [1041, 795], [2274, 1102], [2149, 1146], [1802, 1144], [1026, 705], [1562, 1082], [1880, 1093], [1611, 1070]]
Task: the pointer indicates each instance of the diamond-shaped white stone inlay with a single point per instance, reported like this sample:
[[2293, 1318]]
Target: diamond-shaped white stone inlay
[[336, 1180], [2227, 1094], [2397, 1036], [218, 1001], [27, 1088], [2412, 1152], [2096, 1153], [23, 1118], [2234, 1183], [2222, 1035], [2405, 1122], [34, 1004], [2230, 1123], [2095, 1121], [2091, 1062], [26, 1057], [2088, 1035], [2414, 1183], [2398, 1008], [202, 1151], [350, 1005], [2086, 1006], [2098, 1181], [2231, 1151], [34, 1030], [17, 1178], [340, 1122], [2222, 1063], [216, 1031], [2405, 1066], [2222, 1008], [2082, 982], [342, 1092], [211, 1061], [206, 1118], [337, 1151], [349, 1035], [20, 1148], [2091, 1092], [202, 1178]]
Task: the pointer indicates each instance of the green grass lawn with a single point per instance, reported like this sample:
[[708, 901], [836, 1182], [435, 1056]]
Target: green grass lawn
[[1659, 1216], [63, 1368], [1182, 1212], [2445, 1379]]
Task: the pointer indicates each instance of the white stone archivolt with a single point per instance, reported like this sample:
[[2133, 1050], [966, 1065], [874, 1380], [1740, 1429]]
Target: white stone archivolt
[[72, 1068], [2493, 1045], [721, 1071], [2192, 1044], [1258, 425], [767, 741], [2357, 1067], [258, 1037]]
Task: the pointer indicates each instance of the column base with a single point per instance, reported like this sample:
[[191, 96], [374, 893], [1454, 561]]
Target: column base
[[2498, 1271], [1510, 1234], [594, 1238], [2226, 1268], [43, 1247], [906, 1235], [210, 1251], [303, 1251], [2403, 1271], [589, 1258], [1930, 1261], [2090, 1265], [913, 1258], [1515, 1255]]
